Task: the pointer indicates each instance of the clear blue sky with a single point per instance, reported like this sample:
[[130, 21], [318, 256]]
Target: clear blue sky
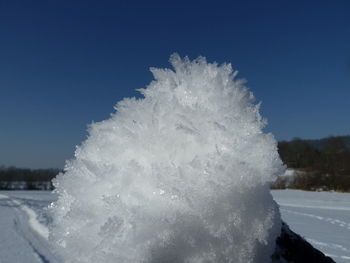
[[64, 64]]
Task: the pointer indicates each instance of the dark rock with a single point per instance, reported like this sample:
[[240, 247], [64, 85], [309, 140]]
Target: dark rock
[[290, 247]]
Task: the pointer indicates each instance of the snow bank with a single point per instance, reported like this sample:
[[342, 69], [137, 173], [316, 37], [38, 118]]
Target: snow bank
[[179, 176]]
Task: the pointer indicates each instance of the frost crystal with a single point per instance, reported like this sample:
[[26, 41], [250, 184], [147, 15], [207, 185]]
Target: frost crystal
[[179, 176]]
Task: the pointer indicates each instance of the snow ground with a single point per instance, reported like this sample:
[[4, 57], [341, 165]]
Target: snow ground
[[23, 227], [323, 218]]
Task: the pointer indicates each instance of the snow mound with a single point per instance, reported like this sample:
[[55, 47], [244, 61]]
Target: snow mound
[[179, 176]]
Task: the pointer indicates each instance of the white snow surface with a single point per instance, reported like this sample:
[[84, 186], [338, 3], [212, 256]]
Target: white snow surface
[[322, 218], [180, 175], [23, 227]]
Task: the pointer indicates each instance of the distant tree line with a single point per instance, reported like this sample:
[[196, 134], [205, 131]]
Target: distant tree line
[[12, 178], [322, 164]]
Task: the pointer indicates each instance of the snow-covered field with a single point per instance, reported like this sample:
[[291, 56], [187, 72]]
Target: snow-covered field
[[322, 218], [23, 227]]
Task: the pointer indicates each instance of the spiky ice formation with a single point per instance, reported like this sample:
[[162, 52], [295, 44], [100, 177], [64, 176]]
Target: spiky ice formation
[[179, 176]]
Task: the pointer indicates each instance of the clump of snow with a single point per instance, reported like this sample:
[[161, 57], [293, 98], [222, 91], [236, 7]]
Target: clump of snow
[[179, 176], [289, 172]]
